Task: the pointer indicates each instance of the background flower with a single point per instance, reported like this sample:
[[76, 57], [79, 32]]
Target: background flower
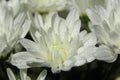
[[105, 24], [11, 29], [83, 5], [45, 5]]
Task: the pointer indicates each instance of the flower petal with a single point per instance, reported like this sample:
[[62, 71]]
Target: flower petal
[[42, 75], [104, 53], [31, 47], [25, 28], [10, 74], [23, 74], [21, 59]]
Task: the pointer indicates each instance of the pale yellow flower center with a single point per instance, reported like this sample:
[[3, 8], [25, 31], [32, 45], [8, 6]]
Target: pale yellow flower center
[[61, 50], [117, 43]]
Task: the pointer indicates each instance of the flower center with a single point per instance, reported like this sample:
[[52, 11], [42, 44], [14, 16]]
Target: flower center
[[59, 49], [117, 42]]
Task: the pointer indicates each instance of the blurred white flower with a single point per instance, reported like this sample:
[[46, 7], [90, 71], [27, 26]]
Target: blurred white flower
[[23, 75], [118, 78], [11, 29], [45, 5], [106, 25], [16, 6], [82, 5], [59, 44]]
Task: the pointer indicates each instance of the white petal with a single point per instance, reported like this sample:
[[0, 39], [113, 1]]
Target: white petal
[[48, 21], [102, 35], [56, 23], [38, 21], [32, 47], [90, 39], [10, 74], [68, 64], [82, 34], [21, 59], [62, 28], [25, 28], [94, 16], [104, 53], [15, 5], [96, 2], [76, 28], [19, 20], [80, 61], [85, 55], [42, 75], [87, 52], [3, 43], [72, 20], [23, 74]]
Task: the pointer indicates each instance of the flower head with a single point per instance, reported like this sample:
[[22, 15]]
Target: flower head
[[11, 28], [58, 44], [106, 25]]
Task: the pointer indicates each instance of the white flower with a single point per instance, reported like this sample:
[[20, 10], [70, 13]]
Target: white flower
[[11, 29], [45, 5], [58, 44], [106, 25], [23, 75]]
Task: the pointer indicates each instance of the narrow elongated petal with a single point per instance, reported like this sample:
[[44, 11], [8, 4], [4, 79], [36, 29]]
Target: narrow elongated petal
[[23, 74], [42, 75], [25, 28], [73, 25], [10, 74]]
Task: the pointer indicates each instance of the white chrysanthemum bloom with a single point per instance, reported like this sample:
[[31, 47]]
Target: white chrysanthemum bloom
[[23, 75], [58, 44], [11, 29], [106, 26], [45, 5]]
